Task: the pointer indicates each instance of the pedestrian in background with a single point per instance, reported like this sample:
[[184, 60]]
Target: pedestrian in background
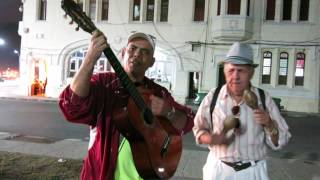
[[94, 100], [239, 129]]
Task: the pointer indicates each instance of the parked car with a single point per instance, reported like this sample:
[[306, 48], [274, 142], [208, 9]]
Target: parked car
[[1, 79], [199, 98]]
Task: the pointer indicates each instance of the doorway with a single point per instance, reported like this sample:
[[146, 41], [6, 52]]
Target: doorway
[[38, 77], [193, 85]]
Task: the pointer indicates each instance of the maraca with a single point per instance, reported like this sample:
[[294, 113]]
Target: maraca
[[230, 122], [251, 99]]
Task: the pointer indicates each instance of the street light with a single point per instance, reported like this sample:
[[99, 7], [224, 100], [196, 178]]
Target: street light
[[2, 42], [16, 51]]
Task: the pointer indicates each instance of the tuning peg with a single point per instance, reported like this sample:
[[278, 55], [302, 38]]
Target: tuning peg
[[71, 22], [77, 28], [65, 16]]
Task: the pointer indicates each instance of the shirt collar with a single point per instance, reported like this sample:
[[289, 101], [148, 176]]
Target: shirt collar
[[225, 94]]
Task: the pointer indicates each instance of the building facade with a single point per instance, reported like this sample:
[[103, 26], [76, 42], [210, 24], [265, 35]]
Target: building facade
[[192, 37]]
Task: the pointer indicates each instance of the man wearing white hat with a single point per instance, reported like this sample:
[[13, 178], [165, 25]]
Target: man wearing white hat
[[101, 100], [241, 125]]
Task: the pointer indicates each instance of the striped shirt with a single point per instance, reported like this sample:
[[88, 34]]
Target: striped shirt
[[252, 143]]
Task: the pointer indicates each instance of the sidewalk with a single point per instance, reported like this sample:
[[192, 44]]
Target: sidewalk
[[190, 167]]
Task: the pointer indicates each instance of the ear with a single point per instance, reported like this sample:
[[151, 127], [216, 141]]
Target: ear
[[252, 72], [123, 51], [152, 61]]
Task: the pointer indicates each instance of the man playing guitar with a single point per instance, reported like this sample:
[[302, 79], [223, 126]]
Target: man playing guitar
[[102, 101]]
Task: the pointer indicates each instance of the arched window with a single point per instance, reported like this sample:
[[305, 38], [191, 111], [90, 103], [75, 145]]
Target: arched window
[[283, 68], [102, 65], [77, 58], [75, 62], [266, 69], [299, 71]]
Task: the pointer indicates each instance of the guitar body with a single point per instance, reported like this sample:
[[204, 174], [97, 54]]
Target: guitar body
[[156, 147]]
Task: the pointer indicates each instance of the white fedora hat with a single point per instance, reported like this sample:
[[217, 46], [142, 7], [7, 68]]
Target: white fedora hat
[[240, 53]]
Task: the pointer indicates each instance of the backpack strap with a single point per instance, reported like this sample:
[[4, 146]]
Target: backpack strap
[[263, 98], [214, 99]]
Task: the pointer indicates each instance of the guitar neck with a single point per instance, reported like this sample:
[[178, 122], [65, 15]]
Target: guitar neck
[[124, 78]]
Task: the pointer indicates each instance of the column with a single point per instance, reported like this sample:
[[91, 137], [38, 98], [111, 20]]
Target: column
[[278, 11], [313, 9], [295, 11], [181, 86], [243, 8], [274, 68], [223, 7], [143, 10], [291, 68]]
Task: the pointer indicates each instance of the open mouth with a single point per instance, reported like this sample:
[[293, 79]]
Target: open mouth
[[135, 62]]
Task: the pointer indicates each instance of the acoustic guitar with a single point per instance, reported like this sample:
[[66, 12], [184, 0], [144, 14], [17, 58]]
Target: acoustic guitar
[[156, 145]]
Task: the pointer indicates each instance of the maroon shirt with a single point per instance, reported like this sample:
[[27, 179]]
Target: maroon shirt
[[106, 93]]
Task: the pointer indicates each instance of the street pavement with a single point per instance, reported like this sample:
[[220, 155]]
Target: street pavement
[[292, 163]]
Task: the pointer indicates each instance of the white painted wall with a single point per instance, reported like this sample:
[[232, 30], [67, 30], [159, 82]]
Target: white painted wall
[[52, 40]]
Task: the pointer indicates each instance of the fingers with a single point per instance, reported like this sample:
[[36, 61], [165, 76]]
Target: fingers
[[97, 45], [156, 105], [219, 138], [97, 33], [159, 106], [261, 116], [99, 41], [206, 138]]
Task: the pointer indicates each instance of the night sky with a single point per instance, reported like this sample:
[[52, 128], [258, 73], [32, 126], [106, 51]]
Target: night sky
[[9, 19]]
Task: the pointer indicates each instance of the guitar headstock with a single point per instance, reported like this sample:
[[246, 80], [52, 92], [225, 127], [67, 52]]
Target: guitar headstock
[[75, 12]]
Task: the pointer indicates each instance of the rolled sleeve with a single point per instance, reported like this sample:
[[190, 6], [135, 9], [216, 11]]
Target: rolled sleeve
[[75, 108], [202, 120], [284, 134]]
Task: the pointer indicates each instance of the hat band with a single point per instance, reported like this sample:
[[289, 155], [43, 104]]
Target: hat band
[[239, 60]]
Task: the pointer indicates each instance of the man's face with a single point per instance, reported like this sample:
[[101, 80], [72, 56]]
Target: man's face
[[137, 57], [237, 77]]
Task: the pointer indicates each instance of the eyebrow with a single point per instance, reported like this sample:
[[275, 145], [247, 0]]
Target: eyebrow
[[145, 49]]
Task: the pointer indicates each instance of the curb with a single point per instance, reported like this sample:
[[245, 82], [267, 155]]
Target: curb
[[31, 98]]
